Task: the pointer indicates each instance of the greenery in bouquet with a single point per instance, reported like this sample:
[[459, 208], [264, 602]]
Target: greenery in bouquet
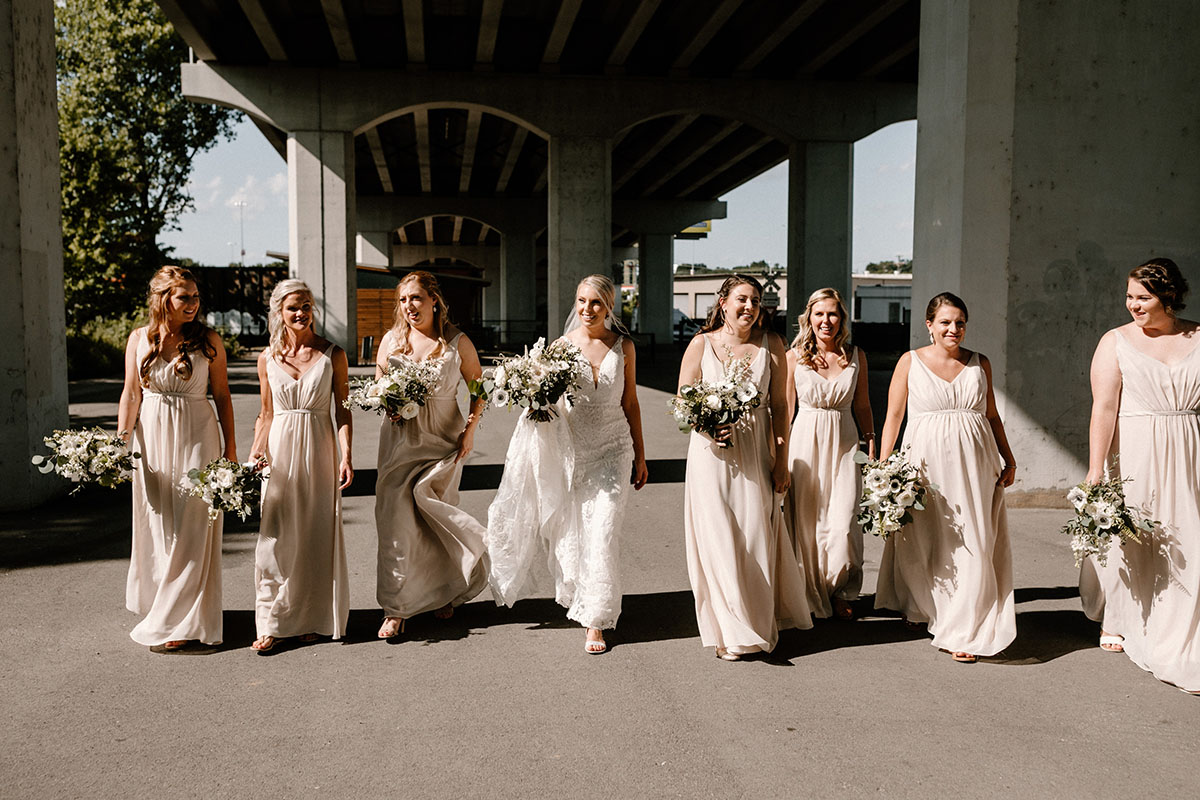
[[399, 393], [88, 455], [1102, 515], [536, 380], [891, 490], [704, 406], [228, 486]]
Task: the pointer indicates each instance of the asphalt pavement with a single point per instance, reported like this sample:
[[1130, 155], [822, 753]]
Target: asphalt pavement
[[504, 703]]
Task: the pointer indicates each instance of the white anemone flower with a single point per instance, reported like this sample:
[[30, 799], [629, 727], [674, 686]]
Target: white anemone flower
[[409, 410], [713, 401]]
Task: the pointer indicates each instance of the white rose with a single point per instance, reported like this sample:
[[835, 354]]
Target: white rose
[[373, 401], [222, 477], [499, 375], [713, 401], [375, 390], [409, 410], [906, 498], [876, 480]]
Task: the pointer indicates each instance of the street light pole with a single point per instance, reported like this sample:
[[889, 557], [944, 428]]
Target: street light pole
[[241, 207]]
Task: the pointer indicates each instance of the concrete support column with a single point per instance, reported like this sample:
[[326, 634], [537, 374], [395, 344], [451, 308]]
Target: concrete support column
[[517, 284], [1057, 148], [820, 221], [33, 362], [493, 296], [322, 231], [375, 248], [656, 256], [579, 219]]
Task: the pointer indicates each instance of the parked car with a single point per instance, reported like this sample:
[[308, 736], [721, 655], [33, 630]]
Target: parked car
[[685, 327]]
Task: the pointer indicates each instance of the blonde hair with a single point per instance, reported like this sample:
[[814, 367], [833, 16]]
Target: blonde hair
[[716, 317], [806, 340], [441, 312], [279, 332], [607, 289], [194, 334]]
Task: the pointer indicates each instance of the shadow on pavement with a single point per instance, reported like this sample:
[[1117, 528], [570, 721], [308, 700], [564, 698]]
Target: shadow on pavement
[[92, 525]]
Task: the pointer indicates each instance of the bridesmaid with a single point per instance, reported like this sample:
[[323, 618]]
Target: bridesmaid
[[951, 568], [170, 365], [742, 567], [431, 554], [300, 560], [574, 520], [829, 380], [1146, 410]]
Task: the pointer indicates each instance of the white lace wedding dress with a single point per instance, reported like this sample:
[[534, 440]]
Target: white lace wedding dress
[[560, 505]]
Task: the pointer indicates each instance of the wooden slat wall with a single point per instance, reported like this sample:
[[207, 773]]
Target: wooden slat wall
[[375, 311]]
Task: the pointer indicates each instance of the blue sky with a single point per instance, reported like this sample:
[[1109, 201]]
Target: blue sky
[[249, 170]]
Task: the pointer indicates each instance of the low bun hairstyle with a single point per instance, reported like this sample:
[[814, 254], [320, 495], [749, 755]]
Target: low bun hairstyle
[[944, 299], [1163, 279]]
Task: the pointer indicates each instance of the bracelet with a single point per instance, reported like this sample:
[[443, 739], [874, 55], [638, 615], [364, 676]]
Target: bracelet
[[868, 436], [1009, 466]]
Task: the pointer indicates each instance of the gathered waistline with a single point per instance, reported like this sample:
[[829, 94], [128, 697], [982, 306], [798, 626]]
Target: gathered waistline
[[313, 411], [174, 395], [1181, 412], [837, 409], [948, 411]]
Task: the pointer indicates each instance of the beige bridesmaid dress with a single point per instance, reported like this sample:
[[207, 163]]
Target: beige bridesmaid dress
[[174, 579], [300, 561], [822, 501], [952, 567], [742, 567], [431, 553], [1150, 591]]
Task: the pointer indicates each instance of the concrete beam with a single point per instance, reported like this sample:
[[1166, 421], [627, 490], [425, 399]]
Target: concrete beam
[[563, 22], [510, 160], [482, 256], [746, 152], [381, 165], [355, 100], [474, 117], [715, 21], [339, 29], [424, 155], [783, 31], [263, 29], [664, 216], [696, 155], [634, 28], [375, 248], [414, 30], [187, 30], [820, 221], [489, 29], [892, 58], [33, 361], [860, 29], [669, 136]]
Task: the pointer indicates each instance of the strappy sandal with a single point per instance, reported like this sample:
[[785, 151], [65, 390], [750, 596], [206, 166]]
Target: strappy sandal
[[725, 655], [964, 658], [1112, 643], [264, 644], [174, 644], [391, 627], [595, 646], [843, 610]]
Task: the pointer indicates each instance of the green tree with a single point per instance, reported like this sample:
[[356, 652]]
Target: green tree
[[127, 142]]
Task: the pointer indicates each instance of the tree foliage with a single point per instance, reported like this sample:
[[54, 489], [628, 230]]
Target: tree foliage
[[128, 139], [900, 265]]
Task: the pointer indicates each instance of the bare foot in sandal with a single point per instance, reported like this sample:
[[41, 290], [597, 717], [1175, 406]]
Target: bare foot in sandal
[[263, 644], [1111, 642]]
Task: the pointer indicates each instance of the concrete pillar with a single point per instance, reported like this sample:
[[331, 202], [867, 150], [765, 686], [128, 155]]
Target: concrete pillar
[[375, 248], [579, 220], [33, 360], [820, 221], [321, 223], [656, 284], [492, 296], [517, 285], [1057, 148]]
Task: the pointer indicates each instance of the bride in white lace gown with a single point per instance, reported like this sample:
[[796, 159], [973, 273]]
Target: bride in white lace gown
[[562, 499]]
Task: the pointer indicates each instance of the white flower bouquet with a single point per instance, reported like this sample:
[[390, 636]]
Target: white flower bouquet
[[227, 486], [704, 406], [88, 455], [536, 380], [1101, 515], [892, 489], [401, 391]]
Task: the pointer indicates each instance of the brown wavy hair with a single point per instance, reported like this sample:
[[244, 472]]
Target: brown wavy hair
[[441, 312], [1163, 279], [194, 333], [806, 340], [716, 317], [944, 299]]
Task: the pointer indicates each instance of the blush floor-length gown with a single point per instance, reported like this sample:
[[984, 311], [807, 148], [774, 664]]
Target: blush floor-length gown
[[174, 579], [1150, 590], [743, 570], [952, 567], [821, 503], [431, 552], [561, 502], [301, 583]]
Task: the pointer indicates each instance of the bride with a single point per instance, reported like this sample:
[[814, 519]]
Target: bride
[[566, 481]]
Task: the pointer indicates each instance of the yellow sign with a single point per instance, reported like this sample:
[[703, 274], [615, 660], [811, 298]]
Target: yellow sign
[[699, 227]]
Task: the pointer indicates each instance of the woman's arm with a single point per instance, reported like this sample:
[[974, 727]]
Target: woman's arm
[[781, 476], [131, 392], [381, 355], [792, 365], [1009, 472], [1106, 404], [471, 370], [862, 404], [897, 405], [218, 381], [633, 414], [266, 412], [345, 420], [689, 367]]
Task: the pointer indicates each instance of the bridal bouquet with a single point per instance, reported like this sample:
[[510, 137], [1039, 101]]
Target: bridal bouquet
[[228, 486], [401, 391], [1101, 514], [892, 488], [704, 406], [536, 380], [89, 455]]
